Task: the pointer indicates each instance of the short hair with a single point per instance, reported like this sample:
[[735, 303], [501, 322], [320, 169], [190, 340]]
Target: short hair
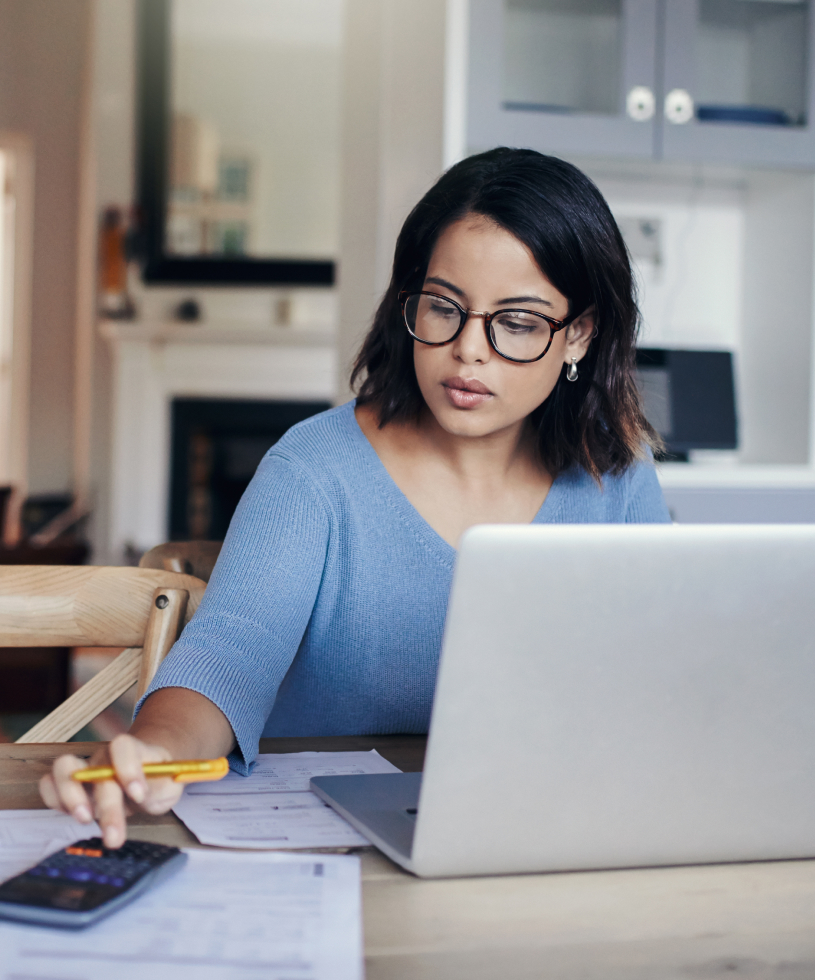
[[596, 422]]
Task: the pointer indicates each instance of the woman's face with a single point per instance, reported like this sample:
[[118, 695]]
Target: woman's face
[[470, 389]]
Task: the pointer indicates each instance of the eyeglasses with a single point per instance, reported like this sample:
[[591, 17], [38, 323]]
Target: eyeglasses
[[517, 335]]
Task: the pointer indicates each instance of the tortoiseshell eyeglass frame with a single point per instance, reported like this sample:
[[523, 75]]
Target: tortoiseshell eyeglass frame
[[554, 325]]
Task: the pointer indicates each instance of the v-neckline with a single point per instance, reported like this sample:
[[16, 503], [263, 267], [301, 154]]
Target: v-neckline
[[426, 533]]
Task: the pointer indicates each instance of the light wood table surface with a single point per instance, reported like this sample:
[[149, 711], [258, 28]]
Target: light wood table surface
[[753, 921]]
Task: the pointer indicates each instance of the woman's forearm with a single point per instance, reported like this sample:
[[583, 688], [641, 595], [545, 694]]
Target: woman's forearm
[[185, 723]]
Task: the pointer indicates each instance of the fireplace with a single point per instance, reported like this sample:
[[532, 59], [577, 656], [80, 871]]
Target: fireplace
[[229, 360], [217, 444]]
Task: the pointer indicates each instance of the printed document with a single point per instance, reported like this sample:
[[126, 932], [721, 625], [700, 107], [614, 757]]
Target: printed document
[[223, 916], [27, 836], [273, 806]]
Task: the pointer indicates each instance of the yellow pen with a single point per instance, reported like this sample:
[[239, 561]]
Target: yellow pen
[[182, 771]]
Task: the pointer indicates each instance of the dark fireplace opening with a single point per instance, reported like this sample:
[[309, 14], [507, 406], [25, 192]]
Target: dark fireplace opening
[[217, 444]]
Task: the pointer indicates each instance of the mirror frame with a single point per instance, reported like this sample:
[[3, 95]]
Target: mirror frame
[[152, 168]]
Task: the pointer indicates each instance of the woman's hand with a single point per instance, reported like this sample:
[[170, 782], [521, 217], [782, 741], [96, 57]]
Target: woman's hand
[[174, 723], [110, 801]]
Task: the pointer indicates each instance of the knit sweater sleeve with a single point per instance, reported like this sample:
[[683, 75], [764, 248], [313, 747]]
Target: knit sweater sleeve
[[243, 637]]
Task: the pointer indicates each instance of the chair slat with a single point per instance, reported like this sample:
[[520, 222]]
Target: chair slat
[[92, 698]]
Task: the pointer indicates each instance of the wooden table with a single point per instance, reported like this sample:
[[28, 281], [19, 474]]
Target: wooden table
[[753, 921]]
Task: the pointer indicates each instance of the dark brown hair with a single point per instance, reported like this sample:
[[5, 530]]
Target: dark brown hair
[[553, 208]]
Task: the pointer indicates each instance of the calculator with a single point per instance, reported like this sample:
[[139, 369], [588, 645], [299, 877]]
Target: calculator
[[82, 883]]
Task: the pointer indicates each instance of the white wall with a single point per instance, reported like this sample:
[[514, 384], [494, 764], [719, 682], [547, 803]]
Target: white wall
[[43, 53], [691, 297], [776, 360], [402, 107]]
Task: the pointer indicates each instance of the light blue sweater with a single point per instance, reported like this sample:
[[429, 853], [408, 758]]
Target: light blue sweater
[[324, 614]]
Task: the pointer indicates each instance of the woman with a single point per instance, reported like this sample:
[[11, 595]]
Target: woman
[[495, 386]]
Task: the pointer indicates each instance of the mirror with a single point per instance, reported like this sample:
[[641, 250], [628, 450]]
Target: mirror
[[240, 140]]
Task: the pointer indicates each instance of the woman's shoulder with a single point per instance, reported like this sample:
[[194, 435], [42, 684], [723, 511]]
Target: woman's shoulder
[[308, 478], [322, 442], [632, 495]]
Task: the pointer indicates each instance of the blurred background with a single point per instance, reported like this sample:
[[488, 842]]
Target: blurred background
[[201, 198]]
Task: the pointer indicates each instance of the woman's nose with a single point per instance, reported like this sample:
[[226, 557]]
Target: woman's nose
[[471, 345]]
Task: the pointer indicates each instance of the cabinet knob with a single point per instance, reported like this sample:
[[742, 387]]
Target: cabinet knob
[[678, 106], [640, 104]]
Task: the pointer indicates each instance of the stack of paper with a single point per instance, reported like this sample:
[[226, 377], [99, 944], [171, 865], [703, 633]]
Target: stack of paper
[[273, 806], [223, 916]]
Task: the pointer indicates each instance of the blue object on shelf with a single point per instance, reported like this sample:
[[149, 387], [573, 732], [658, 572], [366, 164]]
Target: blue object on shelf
[[752, 115]]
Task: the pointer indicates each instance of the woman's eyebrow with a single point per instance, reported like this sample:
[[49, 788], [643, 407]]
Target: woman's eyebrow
[[438, 281], [524, 299]]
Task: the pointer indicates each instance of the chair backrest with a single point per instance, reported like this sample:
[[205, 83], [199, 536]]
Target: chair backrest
[[190, 557], [137, 608]]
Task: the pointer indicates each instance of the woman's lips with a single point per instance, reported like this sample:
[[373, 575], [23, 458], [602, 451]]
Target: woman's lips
[[466, 393]]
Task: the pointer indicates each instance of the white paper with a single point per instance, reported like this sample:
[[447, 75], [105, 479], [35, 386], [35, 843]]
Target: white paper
[[224, 916], [27, 836], [273, 806]]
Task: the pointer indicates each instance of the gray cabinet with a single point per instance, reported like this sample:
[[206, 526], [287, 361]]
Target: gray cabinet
[[745, 67], [556, 75], [710, 80]]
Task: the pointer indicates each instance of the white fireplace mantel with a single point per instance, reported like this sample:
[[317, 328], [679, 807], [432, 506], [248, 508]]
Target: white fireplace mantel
[[155, 363]]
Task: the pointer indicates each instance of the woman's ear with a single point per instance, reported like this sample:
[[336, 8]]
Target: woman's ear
[[579, 334]]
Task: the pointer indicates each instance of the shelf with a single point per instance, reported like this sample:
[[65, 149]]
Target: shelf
[[703, 476]]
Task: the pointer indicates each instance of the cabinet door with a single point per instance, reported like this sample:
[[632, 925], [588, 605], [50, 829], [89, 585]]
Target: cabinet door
[[563, 76], [738, 82]]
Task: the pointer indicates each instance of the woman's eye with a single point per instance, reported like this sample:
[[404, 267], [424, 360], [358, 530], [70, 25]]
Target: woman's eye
[[442, 309], [520, 323]]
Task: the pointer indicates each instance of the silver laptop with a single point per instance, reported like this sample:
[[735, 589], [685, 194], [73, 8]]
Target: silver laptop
[[612, 696]]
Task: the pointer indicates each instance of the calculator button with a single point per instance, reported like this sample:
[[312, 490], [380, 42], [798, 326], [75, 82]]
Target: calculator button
[[79, 874]]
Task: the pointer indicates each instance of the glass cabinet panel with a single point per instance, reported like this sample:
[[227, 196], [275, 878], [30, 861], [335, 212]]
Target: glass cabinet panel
[[563, 55], [751, 62]]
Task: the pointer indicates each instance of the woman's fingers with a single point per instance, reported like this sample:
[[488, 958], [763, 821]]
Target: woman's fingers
[[163, 795], [60, 792], [110, 812], [127, 755], [153, 795]]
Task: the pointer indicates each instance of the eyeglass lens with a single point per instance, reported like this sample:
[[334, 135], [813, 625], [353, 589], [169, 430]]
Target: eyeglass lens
[[516, 333]]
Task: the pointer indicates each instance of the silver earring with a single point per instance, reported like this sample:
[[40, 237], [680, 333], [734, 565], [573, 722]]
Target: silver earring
[[571, 374]]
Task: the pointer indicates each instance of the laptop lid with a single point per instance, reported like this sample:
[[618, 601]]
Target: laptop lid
[[614, 696]]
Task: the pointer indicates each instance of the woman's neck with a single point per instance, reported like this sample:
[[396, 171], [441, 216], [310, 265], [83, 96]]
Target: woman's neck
[[489, 459], [456, 481]]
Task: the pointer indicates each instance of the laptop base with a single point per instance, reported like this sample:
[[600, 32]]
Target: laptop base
[[382, 806]]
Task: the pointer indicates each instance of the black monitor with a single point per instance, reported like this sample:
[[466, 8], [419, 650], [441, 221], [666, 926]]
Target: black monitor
[[689, 398]]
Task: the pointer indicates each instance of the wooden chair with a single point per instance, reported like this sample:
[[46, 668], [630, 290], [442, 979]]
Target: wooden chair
[[190, 557], [141, 609]]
